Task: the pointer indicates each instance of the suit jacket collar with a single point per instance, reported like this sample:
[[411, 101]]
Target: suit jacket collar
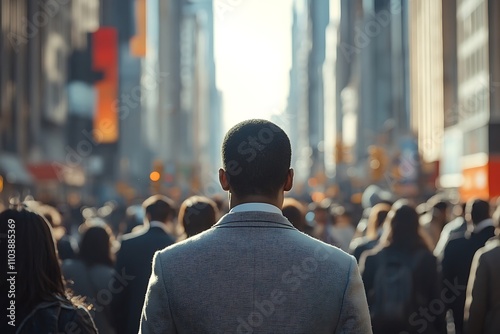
[[257, 219], [482, 225], [159, 225]]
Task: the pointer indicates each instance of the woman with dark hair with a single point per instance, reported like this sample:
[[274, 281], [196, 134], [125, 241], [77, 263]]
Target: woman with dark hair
[[39, 301], [401, 277], [92, 275]]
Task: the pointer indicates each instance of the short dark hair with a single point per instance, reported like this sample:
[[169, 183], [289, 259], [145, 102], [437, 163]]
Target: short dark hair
[[479, 210], [197, 214], [256, 155], [95, 245], [159, 208]]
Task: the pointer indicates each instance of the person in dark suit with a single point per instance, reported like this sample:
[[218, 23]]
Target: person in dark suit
[[133, 261], [459, 252], [482, 306], [253, 271]]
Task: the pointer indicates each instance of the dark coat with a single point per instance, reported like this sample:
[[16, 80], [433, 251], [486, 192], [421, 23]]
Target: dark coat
[[482, 307], [426, 286], [456, 264], [133, 261], [59, 316]]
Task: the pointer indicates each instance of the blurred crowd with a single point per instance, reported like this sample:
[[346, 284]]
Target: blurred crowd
[[427, 267]]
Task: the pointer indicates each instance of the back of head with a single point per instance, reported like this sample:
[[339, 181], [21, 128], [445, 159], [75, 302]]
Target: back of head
[[197, 214], [256, 156], [376, 219], [403, 227], [477, 210], [38, 276], [295, 212], [95, 245], [158, 208]]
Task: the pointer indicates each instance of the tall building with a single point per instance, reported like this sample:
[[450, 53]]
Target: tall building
[[38, 40], [298, 98], [72, 95], [373, 122], [427, 81], [330, 89], [181, 113], [477, 114], [319, 20], [454, 82]]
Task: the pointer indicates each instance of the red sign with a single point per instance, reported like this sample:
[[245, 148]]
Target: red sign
[[105, 60]]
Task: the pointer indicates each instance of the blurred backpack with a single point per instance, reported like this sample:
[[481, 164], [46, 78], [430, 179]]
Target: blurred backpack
[[395, 298]]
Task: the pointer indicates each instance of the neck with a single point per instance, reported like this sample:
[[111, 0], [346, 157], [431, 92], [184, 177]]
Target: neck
[[234, 200]]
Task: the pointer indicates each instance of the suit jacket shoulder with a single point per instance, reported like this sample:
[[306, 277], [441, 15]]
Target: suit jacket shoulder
[[255, 270]]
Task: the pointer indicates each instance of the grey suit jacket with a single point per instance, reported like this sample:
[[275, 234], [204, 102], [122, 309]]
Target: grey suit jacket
[[253, 272]]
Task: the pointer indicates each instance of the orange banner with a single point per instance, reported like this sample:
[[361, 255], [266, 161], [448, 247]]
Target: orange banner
[[482, 182], [138, 42]]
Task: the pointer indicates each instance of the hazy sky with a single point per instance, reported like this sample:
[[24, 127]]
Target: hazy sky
[[253, 57]]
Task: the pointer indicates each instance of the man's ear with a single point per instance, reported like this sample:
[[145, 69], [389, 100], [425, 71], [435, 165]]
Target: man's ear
[[224, 182], [289, 180]]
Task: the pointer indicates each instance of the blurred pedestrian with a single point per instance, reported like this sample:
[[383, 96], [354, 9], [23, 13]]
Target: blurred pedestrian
[[454, 229], [294, 211], [459, 252], [134, 219], [374, 230], [65, 242], [133, 261], [401, 277], [41, 304], [434, 222], [342, 228], [323, 223], [91, 275], [482, 306], [197, 214], [253, 271]]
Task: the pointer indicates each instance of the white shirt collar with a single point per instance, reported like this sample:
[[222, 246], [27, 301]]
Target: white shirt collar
[[245, 207], [482, 225], [161, 225]]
